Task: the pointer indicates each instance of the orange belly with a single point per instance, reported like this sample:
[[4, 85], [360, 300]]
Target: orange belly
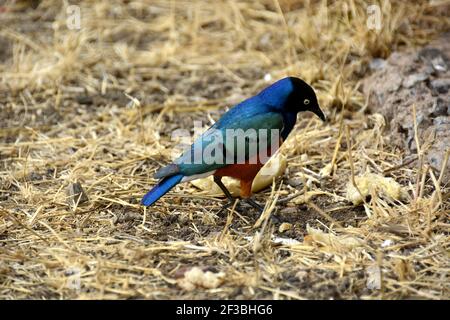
[[245, 172]]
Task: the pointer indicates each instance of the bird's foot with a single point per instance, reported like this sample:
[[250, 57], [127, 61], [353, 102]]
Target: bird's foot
[[250, 203], [254, 204], [229, 205], [260, 208]]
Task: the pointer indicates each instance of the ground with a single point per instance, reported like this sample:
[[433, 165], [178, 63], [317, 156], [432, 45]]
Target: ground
[[97, 103]]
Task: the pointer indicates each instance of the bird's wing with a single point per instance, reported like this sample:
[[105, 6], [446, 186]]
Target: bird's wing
[[210, 151]]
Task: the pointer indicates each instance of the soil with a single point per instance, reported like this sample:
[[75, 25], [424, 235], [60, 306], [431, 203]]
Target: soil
[[419, 78]]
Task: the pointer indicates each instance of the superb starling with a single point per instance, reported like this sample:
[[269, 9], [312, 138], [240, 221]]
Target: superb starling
[[263, 121]]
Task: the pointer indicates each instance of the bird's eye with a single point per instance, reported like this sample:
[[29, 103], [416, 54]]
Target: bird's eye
[[306, 102]]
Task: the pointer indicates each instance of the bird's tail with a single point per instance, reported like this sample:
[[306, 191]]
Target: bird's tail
[[161, 189]]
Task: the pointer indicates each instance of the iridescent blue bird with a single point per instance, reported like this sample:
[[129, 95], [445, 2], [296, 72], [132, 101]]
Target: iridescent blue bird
[[274, 108]]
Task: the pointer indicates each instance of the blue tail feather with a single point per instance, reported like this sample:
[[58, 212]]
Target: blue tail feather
[[161, 189]]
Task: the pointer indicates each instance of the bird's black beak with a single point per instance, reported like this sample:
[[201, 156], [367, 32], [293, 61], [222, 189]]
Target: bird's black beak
[[318, 112]]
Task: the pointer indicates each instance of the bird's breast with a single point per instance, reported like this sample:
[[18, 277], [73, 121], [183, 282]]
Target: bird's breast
[[249, 169]]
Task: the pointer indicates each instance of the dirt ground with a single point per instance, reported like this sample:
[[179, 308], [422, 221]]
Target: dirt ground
[[420, 78], [67, 117]]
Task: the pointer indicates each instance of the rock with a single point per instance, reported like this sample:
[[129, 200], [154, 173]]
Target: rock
[[421, 79], [284, 227], [86, 100], [35, 176], [377, 64], [429, 53], [435, 57], [295, 182], [440, 85], [440, 108], [412, 79], [289, 210], [76, 194], [373, 281]]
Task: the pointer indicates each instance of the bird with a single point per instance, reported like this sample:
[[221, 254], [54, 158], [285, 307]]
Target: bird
[[272, 110]]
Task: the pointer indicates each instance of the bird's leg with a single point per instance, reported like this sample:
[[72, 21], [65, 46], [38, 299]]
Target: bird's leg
[[250, 201], [218, 181]]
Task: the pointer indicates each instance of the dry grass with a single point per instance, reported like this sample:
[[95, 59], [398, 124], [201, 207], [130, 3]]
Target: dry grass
[[66, 118]]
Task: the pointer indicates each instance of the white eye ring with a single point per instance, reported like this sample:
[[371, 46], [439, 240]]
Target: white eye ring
[[306, 102]]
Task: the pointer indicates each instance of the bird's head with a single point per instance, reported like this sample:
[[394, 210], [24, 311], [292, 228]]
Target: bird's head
[[292, 95]]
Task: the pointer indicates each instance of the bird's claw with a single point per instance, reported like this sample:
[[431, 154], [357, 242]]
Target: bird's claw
[[249, 203]]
